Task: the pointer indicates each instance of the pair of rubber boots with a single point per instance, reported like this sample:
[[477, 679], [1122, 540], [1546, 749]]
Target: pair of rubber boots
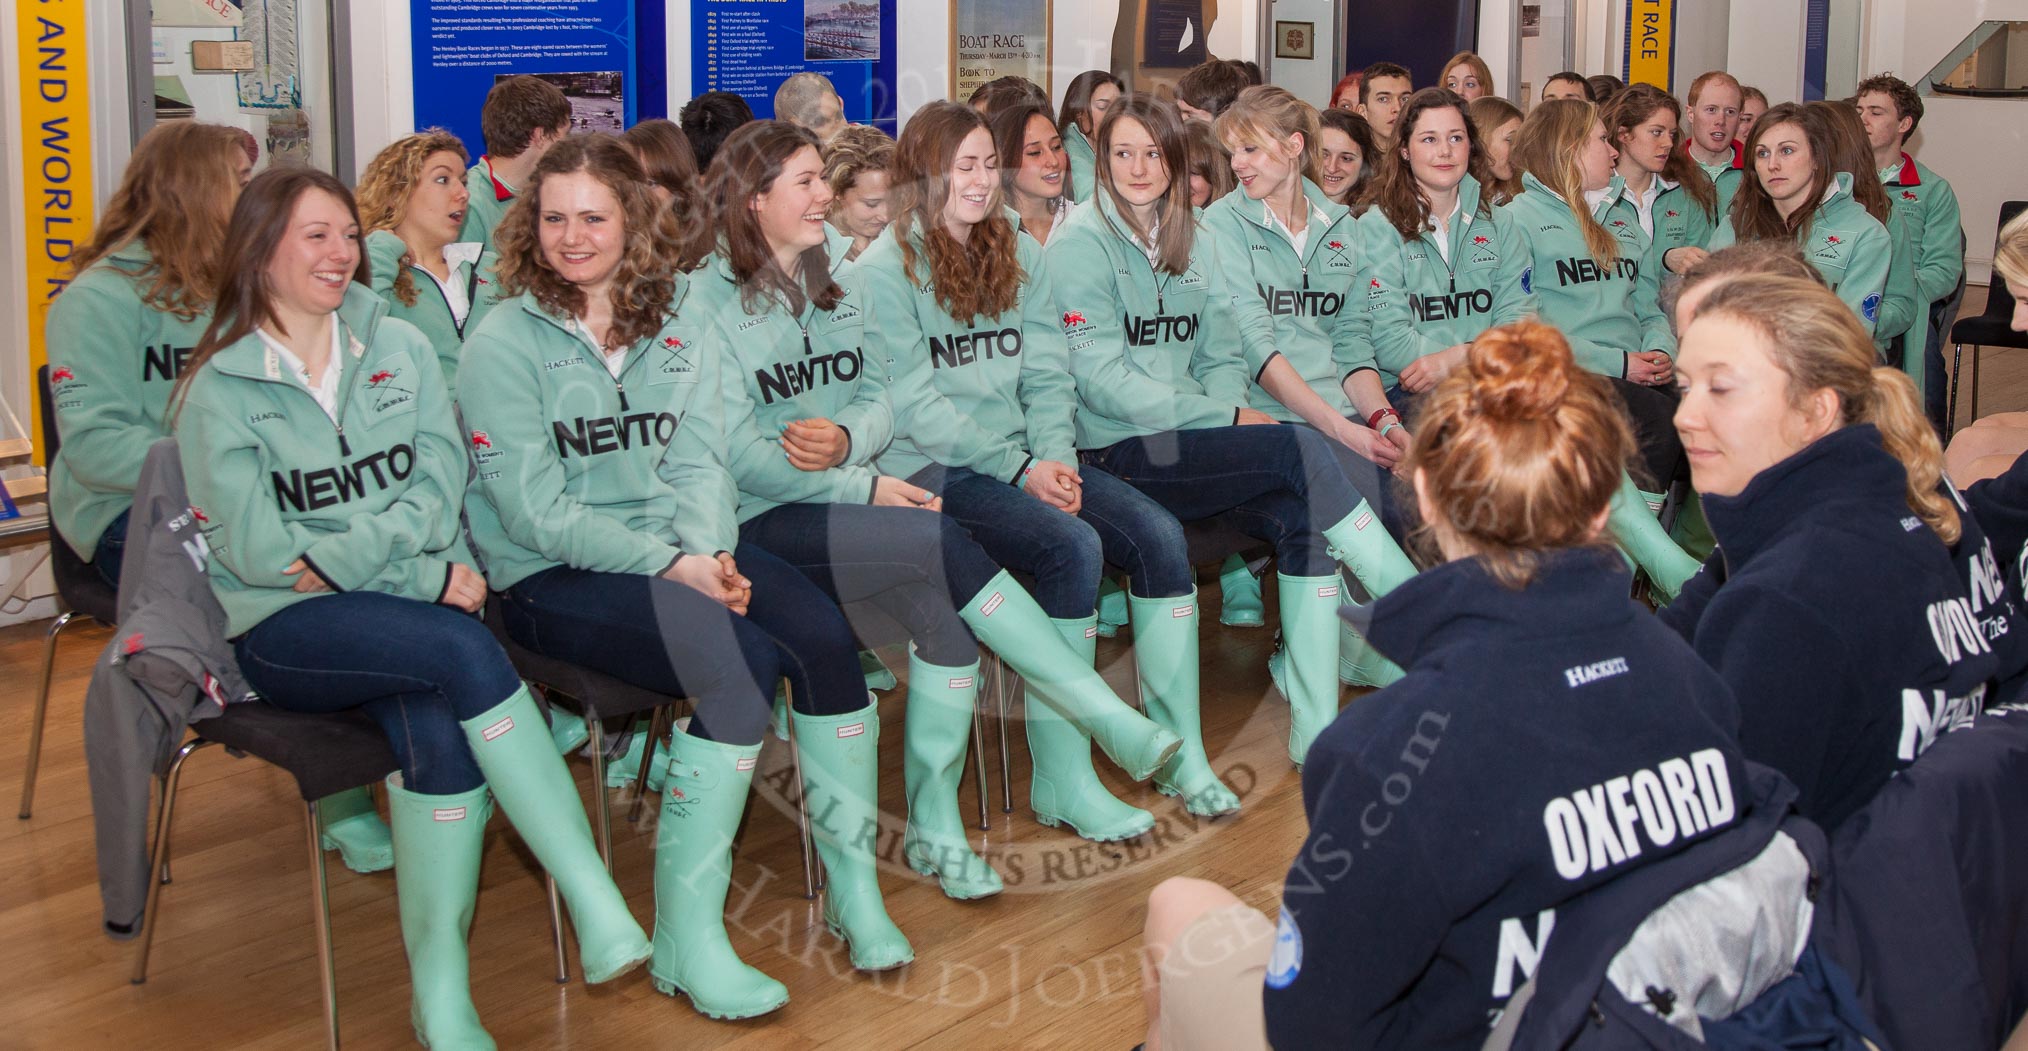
[[708, 783], [1069, 708], [439, 840]]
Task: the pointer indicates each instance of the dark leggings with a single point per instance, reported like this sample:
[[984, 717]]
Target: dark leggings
[[418, 669], [889, 567], [1275, 483], [667, 637], [1652, 411], [111, 552]]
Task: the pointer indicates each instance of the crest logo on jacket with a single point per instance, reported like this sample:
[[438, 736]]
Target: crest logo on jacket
[[1338, 259], [480, 440], [61, 374], [381, 383], [676, 356], [1908, 195], [1072, 318]]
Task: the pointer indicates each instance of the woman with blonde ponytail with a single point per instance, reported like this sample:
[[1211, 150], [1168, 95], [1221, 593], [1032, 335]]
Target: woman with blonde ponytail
[[1822, 482]]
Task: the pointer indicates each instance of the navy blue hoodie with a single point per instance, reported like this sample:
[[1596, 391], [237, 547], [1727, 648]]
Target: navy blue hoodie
[[1543, 742], [2001, 507], [1843, 624]]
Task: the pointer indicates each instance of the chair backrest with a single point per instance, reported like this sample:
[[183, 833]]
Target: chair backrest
[[1999, 299], [77, 583]]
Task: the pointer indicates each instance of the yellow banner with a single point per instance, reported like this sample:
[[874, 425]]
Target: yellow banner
[[1651, 41], [56, 166]]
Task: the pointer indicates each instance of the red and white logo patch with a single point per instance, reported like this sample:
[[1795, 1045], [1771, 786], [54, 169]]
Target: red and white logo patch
[[746, 764], [1329, 591], [1363, 521], [455, 813], [992, 604], [1072, 317], [962, 683], [1182, 611], [495, 730], [851, 730], [481, 441], [1091, 632]]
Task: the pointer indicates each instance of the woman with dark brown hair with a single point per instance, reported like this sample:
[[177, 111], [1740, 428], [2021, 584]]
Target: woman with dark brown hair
[[1348, 158], [605, 514], [1901, 300], [1497, 122], [965, 315], [321, 453], [1085, 102], [1667, 194], [1034, 168], [809, 416], [670, 165], [1796, 193], [413, 200]]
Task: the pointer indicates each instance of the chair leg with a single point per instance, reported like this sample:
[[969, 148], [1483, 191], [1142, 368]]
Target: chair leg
[[660, 721], [803, 840], [1951, 411], [1976, 352], [159, 859], [556, 931], [1001, 697], [56, 627], [602, 818], [979, 753], [320, 892]]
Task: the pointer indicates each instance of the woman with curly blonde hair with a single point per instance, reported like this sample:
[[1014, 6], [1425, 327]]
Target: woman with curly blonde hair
[[412, 200], [855, 168]]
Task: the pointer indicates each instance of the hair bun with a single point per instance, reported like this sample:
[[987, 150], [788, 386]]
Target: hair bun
[[1520, 371]]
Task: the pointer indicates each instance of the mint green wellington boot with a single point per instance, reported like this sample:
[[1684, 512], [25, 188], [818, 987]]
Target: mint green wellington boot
[[1364, 547], [1005, 618], [936, 734], [1165, 654], [1359, 664], [1063, 788], [708, 783], [1112, 607], [1304, 671], [877, 675], [840, 778], [1240, 605], [534, 787], [354, 829], [568, 730], [440, 839], [1640, 534]]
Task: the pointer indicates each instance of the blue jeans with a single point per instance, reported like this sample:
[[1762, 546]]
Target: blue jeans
[[1067, 554], [892, 569], [111, 553], [418, 669], [1279, 484], [670, 638]]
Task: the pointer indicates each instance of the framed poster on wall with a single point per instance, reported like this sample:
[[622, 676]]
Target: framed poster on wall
[[585, 47], [991, 39], [750, 48]]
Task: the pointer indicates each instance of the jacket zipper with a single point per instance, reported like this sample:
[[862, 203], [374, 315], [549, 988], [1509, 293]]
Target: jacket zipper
[[470, 284]]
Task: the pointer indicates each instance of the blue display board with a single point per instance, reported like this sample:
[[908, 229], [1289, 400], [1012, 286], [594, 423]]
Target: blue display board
[[749, 47], [1816, 44], [586, 47]]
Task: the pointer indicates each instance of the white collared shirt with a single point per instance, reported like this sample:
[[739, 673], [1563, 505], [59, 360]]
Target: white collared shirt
[[324, 390], [1442, 228], [458, 258], [1298, 241], [614, 361], [1644, 204], [1152, 247]]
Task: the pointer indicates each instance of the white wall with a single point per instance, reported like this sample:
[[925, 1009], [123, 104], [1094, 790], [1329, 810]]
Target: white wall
[[1766, 47]]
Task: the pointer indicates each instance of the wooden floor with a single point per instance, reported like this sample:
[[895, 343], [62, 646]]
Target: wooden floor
[[1051, 963]]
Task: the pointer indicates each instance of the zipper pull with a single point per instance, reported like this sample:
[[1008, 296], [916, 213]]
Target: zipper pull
[[1306, 278], [806, 343], [344, 447], [622, 388]]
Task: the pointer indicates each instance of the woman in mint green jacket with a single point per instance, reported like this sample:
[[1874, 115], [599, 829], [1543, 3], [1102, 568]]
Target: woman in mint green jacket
[[1162, 400], [1668, 195], [1586, 272], [120, 335], [807, 418], [1085, 102], [1797, 194], [1290, 265], [324, 463], [604, 512], [414, 200]]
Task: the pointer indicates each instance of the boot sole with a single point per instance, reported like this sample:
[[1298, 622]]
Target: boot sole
[[669, 988], [364, 868], [1121, 837], [924, 869], [839, 933], [1243, 620], [1177, 794], [623, 969]]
